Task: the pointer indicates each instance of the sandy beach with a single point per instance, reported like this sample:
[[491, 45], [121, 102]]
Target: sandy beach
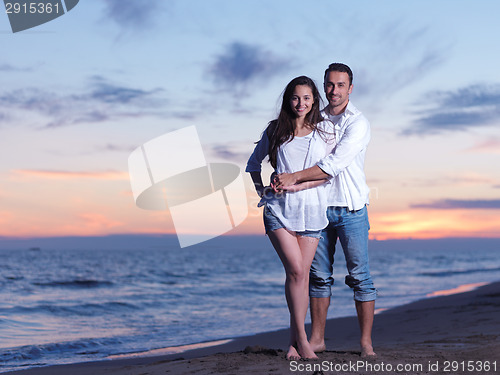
[[451, 334]]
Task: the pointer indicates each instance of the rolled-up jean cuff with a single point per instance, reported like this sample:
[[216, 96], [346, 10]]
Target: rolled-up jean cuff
[[321, 289], [365, 297], [320, 293]]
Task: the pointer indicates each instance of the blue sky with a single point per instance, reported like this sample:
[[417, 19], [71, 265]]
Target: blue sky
[[78, 94]]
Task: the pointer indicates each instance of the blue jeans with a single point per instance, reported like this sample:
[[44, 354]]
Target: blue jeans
[[351, 227]]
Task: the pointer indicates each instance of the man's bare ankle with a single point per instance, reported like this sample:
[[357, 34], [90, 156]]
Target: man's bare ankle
[[318, 346]]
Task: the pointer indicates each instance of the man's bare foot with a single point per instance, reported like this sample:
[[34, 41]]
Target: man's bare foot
[[318, 347], [306, 351], [292, 354], [367, 352]]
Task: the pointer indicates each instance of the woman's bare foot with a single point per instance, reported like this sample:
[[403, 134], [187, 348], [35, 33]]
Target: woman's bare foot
[[367, 352], [292, 354], [306, 351]]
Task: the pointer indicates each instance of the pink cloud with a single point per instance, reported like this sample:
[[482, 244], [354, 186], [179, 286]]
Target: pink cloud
[[66, 175], [489, 146], [94, 221]]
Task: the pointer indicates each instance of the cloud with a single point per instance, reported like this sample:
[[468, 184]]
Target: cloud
[[413, 72], [241, 64], [97, 222], [489, 146], [467, 204], [106, 92], [116, 148], [406, 49], [458, 110], [402, 73], [12, 68], [67, 175], [447, 181], [100, 101], [31, 99], [224, 152], [228, 153], [132, 14]]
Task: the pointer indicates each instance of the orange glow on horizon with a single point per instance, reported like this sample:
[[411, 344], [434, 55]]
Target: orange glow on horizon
[[58, 203], [414, 224], [427, 224], [68, 175]]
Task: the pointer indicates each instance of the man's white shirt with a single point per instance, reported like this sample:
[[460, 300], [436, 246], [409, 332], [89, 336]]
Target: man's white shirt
[[346, 163]]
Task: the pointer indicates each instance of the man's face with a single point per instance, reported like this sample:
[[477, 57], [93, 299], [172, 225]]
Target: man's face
[[337, 90]]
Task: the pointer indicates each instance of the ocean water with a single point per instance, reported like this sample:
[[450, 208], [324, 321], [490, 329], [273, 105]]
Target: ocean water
[[65, 304]]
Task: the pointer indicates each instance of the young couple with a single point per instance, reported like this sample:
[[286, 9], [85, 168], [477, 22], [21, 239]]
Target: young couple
[[318, 193]]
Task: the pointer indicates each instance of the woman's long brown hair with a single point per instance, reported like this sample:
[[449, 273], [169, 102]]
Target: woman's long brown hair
[[282, 129]]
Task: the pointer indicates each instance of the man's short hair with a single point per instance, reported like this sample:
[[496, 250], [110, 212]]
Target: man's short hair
[[339, 67]]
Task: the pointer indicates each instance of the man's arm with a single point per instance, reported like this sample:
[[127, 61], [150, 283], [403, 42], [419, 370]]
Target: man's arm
[[354, 139], [284, 181], [302, 186]]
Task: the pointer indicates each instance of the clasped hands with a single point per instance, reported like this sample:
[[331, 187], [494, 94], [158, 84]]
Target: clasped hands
[[280, 183], [284, 182]]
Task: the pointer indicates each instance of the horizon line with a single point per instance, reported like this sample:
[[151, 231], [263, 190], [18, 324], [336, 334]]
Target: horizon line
[[20, 238]]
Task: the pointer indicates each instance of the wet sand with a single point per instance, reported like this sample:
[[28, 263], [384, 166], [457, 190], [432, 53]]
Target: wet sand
[[454, 334]]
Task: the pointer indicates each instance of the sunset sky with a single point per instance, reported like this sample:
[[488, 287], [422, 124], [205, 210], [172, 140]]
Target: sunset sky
[[80, 93]]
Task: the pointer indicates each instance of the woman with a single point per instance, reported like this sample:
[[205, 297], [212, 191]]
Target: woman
[[296, 140]]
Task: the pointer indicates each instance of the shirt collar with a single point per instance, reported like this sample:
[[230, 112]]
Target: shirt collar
[[350, 110]]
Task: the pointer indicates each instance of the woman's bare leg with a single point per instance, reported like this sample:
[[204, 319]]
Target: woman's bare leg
[[296, 254]]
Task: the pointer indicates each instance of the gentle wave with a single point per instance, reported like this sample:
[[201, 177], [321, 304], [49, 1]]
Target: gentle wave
[[66, 306], [86, 309], [75, 283], [39, 355], [458, 272]]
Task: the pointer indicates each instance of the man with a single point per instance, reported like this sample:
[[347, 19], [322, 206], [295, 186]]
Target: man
[[347, 215]]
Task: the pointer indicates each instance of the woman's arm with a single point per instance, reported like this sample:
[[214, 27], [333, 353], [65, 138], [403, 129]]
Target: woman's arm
[[254, 165], [259, 186], [259, 153], [257, 182]]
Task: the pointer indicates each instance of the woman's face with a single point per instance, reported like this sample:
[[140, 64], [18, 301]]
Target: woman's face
[[302, 100]]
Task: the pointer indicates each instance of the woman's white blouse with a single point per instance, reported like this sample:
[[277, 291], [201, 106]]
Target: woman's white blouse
[[306, 209]]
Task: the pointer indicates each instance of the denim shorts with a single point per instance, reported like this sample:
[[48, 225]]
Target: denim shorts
[[271, 222]]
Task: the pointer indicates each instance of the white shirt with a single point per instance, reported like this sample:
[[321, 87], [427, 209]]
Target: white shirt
[[346, 163], [297, 152], [305, 209]]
